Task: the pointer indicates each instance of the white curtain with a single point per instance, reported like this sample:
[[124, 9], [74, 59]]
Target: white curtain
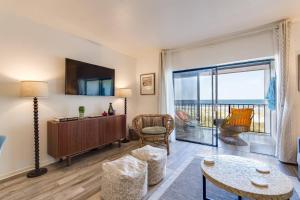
[[286, 140], [166, 104]]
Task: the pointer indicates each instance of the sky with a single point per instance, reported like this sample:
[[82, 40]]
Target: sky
[[237, 86]]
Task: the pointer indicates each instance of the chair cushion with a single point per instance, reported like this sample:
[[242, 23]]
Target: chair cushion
[[240, 117], [154, 130], [149, 121]]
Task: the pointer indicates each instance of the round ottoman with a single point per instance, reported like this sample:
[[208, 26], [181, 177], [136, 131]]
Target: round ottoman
[[157, 162], [124, 178]]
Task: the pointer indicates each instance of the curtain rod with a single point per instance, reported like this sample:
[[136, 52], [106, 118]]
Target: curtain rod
[[239, 34]]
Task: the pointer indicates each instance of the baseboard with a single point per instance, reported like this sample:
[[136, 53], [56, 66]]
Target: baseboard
[[25, 169]]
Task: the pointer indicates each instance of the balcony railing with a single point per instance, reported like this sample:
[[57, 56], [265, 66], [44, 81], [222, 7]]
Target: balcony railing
[[203, 112]]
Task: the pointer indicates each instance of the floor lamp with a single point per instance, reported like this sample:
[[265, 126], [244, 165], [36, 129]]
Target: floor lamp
[[125, 93], [35, 89]]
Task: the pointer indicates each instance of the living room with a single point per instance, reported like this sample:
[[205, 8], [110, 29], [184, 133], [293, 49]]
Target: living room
[[144, 46]]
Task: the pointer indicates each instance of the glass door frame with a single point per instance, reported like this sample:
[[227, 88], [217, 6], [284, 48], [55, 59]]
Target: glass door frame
[[214, 77], [214, 85]]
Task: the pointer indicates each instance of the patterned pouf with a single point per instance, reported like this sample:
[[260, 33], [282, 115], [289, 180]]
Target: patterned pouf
[[157, 162], [124, 179]]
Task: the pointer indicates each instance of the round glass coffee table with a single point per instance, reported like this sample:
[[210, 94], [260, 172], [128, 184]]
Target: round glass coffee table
[[236, 174]]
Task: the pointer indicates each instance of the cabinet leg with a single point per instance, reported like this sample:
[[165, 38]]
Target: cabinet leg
[[69, 161], [119, 143]]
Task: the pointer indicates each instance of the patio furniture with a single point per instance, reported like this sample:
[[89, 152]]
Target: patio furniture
[[157, 162], [238, 121], [240, 176], [124, 178], [184, 120], [154, 128]]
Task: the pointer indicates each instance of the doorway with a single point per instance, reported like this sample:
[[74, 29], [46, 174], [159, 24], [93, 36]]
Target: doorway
[[204, 95]]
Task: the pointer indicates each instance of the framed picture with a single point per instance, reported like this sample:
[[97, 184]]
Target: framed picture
[[147, 84]]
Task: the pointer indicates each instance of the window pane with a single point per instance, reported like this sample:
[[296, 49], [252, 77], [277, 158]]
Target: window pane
[[185, 88], [242, 85]]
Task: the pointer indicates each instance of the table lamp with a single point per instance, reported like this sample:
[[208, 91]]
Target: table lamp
[[35, 89], [124, 93]]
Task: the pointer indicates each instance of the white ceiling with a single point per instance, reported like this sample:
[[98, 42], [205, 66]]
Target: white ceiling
[[131, 26]]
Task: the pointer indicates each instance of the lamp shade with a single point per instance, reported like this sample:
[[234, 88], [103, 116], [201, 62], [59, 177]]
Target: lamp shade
[[34, 89], [124, 92]]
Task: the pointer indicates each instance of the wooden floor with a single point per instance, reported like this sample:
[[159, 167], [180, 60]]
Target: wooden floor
[[82, 179]]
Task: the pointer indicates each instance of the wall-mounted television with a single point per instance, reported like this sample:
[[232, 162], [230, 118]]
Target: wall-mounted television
[[87, 79]]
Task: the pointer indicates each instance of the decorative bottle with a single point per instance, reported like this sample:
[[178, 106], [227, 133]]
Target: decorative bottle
[[111, 110]]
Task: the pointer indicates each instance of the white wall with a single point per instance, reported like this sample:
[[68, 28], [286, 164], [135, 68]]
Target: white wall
[[243, 48], [233, 50], [148, 62], [30, 51]]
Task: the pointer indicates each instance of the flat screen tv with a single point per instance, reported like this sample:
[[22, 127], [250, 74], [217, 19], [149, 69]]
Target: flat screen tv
[[87, 79]]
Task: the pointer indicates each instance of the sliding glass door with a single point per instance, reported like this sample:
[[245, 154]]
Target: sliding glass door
[[202, 96], [195, 99]]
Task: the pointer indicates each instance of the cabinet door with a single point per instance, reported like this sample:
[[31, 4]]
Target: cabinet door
[[75, 137], [123, 129], [70, 138], [91, 133], [110, 130], [116, 127], [120, 131], [63, 139], [102, 131]]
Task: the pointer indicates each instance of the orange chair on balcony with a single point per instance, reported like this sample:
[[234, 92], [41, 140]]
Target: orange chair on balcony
[[238, 121]]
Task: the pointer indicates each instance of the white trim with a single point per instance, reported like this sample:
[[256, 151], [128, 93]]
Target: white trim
[[25, 169]]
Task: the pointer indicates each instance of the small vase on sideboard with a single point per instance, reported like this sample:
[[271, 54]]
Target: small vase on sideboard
[[81, 110], [111, 110]]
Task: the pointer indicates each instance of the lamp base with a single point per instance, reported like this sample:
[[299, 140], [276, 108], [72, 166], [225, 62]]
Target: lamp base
[[37, 172]]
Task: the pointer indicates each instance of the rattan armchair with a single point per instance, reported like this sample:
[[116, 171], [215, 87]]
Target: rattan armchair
[[163, 123]]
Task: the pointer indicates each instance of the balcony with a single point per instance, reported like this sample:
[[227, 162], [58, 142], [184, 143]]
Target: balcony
[[203, 112], [258, 140], [239, 85]]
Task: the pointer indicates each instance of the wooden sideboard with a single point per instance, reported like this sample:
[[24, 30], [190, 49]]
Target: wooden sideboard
[[70, 138]]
